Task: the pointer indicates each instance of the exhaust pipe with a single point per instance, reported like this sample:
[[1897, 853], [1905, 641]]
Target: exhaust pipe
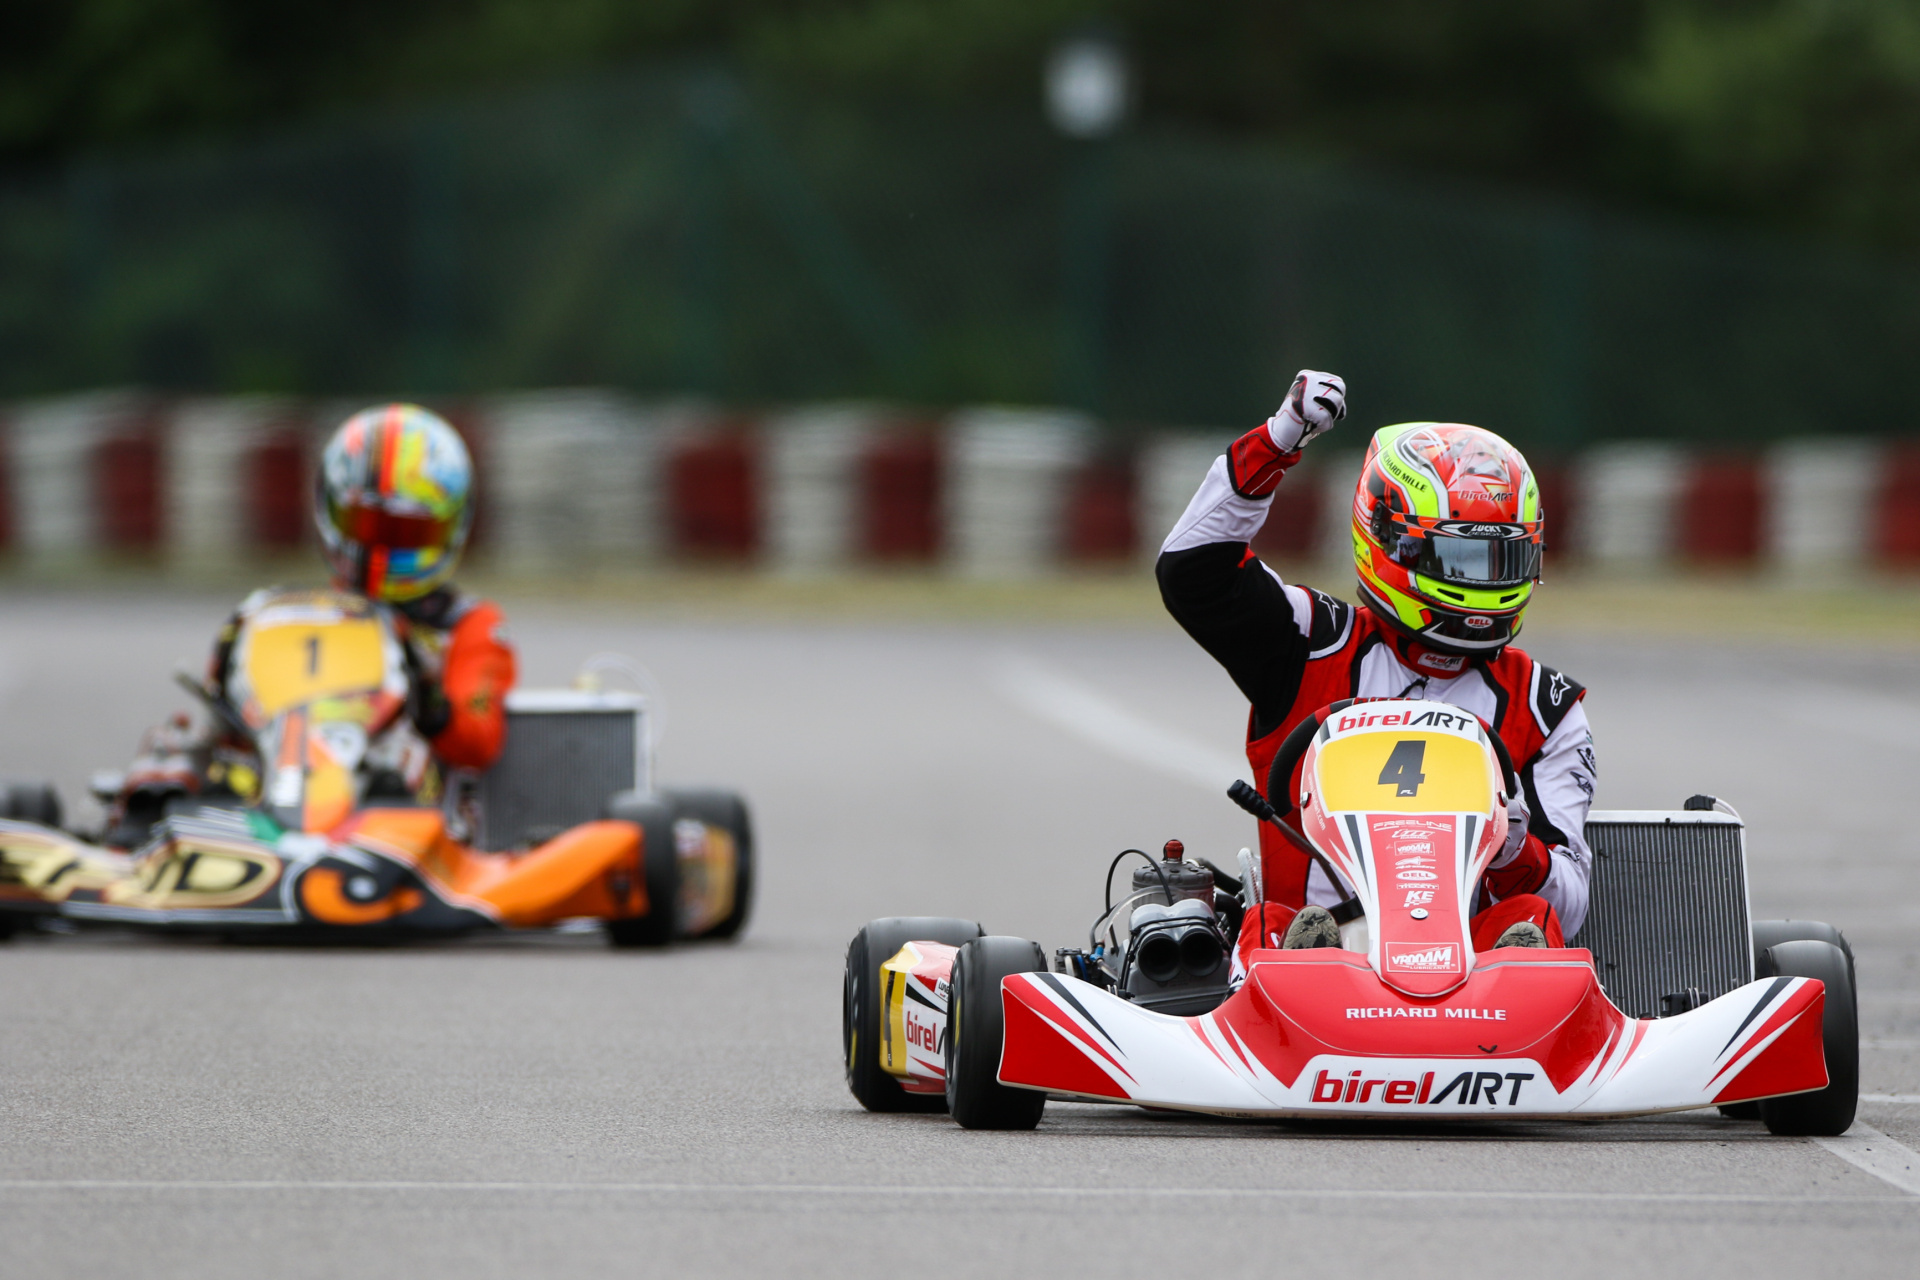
[[1164, 954], [1201, 954], [1159, 955]]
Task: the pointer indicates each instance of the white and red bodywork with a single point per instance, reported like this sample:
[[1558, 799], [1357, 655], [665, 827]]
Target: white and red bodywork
[[1410, 1021], [913, 1001]]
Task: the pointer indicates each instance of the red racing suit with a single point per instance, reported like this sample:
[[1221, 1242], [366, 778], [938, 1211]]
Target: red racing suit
[[1293, 650], [462, 643]]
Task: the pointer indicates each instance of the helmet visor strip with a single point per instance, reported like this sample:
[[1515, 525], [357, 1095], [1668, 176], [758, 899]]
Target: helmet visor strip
[[375, 526], [1446, 556]]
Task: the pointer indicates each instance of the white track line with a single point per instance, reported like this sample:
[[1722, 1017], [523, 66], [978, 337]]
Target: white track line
[[1118, 1194], [1905, 1099], [1867, 1148], [1067, 704]]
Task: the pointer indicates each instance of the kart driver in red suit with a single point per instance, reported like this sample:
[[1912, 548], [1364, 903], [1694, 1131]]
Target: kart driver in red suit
[[1447, 533]]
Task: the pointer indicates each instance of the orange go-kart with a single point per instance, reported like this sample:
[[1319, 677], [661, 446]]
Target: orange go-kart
[[311, 805]]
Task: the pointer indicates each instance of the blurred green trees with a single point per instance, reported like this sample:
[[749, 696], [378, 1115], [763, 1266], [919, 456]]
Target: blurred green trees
[[1796, 114]]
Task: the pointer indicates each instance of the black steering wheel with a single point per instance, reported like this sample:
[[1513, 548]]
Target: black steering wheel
[[1280, 791]]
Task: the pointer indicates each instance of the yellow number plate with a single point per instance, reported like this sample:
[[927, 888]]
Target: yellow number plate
[[1405, 773], [294, 663]]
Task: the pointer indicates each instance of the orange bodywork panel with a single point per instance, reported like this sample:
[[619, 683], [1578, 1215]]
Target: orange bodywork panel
[[323, 894], [592, 870]]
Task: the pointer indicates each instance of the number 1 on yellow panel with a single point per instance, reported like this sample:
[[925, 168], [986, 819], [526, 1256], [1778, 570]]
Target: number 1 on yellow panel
[[296, 663]]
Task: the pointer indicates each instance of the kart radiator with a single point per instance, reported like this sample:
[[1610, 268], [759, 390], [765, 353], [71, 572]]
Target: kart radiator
[[1668, 924], [567, 753]]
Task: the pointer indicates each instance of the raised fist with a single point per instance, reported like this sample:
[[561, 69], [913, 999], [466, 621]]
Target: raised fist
[[1316, 402]]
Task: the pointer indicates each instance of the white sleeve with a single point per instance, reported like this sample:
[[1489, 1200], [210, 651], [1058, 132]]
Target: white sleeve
[[1564, 774], [1217, 513]]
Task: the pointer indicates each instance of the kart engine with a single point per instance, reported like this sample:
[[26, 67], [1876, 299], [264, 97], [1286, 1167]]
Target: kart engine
[[1166, 943]]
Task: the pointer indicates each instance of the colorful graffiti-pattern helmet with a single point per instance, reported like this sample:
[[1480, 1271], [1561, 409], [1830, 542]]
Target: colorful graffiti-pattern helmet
[[1447, 535], [391, 501]]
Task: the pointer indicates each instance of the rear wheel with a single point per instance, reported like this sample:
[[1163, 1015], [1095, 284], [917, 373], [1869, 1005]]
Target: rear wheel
[[1771, 933], [862, 1008], [660, 861], [976, 1030], [728, 811], [30, 802], [1830, 1110]]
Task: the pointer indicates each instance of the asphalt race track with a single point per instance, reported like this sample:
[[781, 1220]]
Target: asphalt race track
[[545, 1106]]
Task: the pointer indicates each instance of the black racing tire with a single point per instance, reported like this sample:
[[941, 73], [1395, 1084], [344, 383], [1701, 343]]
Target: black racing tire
[[1771, 933], [1829, 1111], [862, 1005], [10, 924], [976, 1030], [727, 810], [30, 802], [660, 861]]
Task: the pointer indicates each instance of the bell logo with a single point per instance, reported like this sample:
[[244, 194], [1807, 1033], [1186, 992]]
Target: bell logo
[[1418, 959]]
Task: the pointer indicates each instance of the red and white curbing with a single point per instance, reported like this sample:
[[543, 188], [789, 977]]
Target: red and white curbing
[[813, 484], [1825, 497], [578, 481], [83, 475], [569, 480], [1010, 471], [263, 446]]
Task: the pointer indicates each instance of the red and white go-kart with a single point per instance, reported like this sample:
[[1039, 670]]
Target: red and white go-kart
[[1406, 804]]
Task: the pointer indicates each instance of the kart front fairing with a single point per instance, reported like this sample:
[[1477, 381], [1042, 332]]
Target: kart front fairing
[[1405, 805], [1316, 1033]]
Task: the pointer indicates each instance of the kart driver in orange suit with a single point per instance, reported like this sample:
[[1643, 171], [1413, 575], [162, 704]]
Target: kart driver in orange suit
[[393, 505], [1447, 538]]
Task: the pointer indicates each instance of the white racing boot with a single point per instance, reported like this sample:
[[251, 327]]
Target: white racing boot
[[1313, 927], [1524, 934]]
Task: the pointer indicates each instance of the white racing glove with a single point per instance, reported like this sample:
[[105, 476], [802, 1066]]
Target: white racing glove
[[1518, 815], [1316, 402], [1520, 866]]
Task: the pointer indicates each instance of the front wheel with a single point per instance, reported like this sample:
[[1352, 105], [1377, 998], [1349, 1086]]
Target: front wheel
[[30, 802], [863, 1002], [976, 1030], [1827, 1111]]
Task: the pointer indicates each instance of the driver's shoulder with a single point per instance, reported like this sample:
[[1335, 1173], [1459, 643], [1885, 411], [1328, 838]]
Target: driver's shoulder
[[1550, 693], [1330, 621], [446, 607]]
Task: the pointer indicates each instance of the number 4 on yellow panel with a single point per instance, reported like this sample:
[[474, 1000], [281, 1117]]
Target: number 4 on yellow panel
[[1415, 773]]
